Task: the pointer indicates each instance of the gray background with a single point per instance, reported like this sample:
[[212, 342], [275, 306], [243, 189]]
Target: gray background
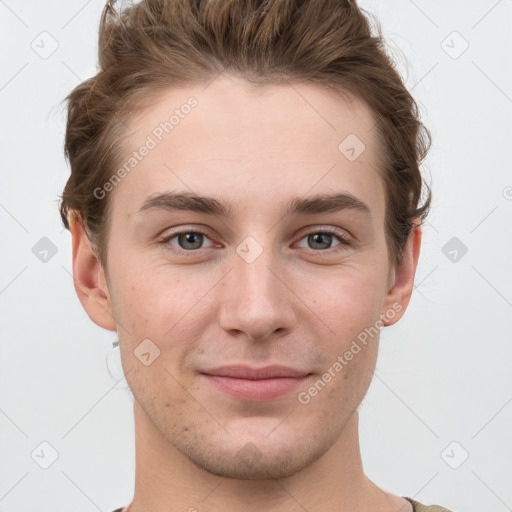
[[443, 386]]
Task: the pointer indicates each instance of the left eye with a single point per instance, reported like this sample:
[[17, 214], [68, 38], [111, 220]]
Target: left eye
[[323, 240]]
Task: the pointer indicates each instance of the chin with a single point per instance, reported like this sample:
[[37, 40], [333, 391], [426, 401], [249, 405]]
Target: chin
[[259, 457]]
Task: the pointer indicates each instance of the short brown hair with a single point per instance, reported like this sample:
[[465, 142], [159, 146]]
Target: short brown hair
[[154, 45]]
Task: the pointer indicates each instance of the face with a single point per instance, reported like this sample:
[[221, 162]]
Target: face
[[267, 271]]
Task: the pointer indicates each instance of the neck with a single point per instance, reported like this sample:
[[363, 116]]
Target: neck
[[167, 481]]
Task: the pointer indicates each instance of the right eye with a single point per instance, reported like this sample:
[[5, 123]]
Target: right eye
[[188, 240]]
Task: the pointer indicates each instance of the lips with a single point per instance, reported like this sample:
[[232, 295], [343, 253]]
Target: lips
[[255, 384], [246, 372]]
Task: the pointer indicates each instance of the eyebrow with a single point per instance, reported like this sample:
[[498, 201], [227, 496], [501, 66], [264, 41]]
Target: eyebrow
[[319, 203]]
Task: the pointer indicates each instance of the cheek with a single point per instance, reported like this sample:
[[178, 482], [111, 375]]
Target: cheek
[[350, 306], [351, 355], [147, 300], [350, 300], [157, 304], [346, 390]]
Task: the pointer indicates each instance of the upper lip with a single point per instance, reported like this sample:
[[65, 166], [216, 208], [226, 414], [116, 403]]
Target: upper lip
[[246, 372]]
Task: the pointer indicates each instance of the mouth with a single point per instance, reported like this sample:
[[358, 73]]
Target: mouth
[[256, 384]]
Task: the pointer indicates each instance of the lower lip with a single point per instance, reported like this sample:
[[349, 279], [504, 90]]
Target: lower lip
[[256, 390]]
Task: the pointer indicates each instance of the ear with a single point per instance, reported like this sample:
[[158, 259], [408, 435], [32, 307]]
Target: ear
[[401, 278], [89, 278]]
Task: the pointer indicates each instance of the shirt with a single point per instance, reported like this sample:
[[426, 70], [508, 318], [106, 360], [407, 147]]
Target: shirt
[[416, 506]]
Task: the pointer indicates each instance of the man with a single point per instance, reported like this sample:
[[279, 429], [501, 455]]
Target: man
[[247, 229]]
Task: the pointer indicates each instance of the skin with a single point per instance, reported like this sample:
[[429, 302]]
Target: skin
[[196, 447]]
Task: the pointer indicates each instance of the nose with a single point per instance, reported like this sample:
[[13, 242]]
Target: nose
[[256, 299]]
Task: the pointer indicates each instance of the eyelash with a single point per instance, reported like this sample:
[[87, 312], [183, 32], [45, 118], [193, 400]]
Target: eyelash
[[343, 239]]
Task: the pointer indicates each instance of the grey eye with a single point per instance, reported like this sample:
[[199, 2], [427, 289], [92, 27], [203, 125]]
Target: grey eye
[[321, 240]]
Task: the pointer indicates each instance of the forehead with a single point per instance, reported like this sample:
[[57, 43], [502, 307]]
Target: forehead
[[230, 138]]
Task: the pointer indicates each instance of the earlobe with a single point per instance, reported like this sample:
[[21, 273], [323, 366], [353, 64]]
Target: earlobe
[[89, 279], [402, 279]]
